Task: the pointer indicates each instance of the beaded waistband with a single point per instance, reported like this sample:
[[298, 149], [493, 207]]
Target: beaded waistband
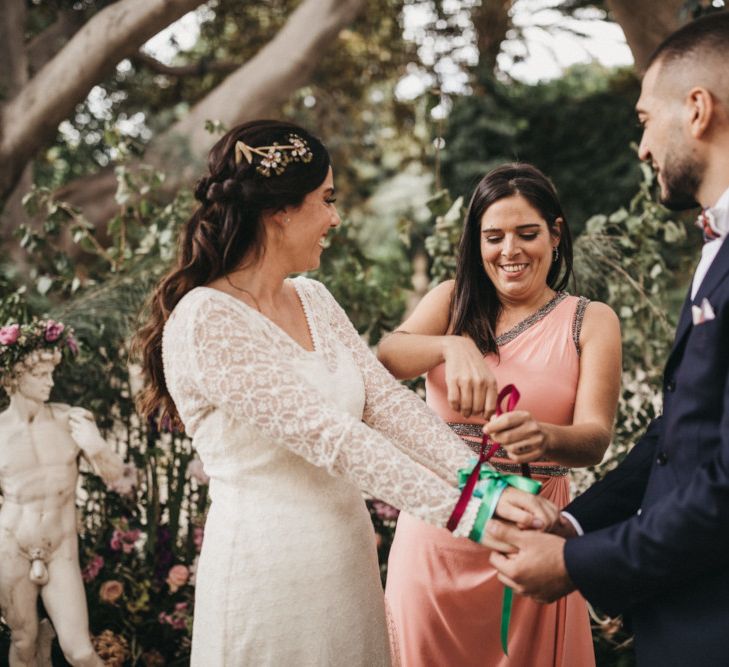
[[475, 431]]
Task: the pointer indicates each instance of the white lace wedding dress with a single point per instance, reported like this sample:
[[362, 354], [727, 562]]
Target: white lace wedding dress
[[288, 573]]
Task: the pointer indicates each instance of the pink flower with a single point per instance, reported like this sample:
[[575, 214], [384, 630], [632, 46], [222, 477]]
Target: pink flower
[[53, 330], [196, 471], [124, 540], [177, 577], [72, 344], [111, 591], [177, 619], [9, 334], [92, 569]]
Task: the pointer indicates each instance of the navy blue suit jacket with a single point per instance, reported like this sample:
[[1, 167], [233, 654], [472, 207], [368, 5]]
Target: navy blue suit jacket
[[657, 527]]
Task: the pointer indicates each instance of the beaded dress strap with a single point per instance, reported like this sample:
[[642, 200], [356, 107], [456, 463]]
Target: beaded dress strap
[[577, 321], [536, 316], [466, 431]]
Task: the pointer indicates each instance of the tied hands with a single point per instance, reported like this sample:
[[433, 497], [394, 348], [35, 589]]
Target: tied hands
[[531, 562], [528, 534], [522, 511]]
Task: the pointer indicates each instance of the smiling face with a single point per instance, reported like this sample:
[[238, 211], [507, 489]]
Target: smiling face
[[665, 141], [516, 249], [309, 224]]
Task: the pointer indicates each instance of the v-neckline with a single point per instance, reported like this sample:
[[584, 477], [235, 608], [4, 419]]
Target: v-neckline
[[313, 337]]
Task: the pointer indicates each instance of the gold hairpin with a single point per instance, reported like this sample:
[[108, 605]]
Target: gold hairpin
[[274, 158]]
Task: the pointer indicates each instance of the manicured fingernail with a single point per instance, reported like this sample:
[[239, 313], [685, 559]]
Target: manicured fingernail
[[537, 523]]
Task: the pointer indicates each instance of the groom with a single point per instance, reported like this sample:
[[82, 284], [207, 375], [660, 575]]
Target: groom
[[656, 529]]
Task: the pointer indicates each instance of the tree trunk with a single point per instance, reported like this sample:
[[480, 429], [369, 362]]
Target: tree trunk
[[491, 21], [646, 24], [255, 90], [30, 119], [13, 57]]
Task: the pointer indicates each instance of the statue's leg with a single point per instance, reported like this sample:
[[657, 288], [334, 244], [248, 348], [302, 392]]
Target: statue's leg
[[65, 601], [18, 599]]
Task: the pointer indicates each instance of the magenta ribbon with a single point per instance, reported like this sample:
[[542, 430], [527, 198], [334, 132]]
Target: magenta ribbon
[[512, 393]]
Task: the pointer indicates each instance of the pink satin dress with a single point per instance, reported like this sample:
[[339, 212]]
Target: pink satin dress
[[443, 595]]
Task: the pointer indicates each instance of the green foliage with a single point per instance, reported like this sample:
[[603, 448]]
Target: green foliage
[[637, 260], [577, 129], [373, 293]]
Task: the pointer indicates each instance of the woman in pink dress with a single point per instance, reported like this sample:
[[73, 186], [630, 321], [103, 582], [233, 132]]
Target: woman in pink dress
[[504, 320]]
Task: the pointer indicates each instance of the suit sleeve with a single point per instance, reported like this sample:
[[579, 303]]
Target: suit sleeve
[[619, 494], [671, 542]]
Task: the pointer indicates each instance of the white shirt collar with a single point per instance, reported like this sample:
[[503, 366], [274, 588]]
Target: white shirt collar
[[720, 213]]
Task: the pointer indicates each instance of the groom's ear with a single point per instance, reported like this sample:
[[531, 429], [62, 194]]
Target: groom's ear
[[700, 110]]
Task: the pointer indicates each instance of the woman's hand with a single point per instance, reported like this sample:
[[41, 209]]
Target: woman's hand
[[527, 511], [523, 438], [471, 386]]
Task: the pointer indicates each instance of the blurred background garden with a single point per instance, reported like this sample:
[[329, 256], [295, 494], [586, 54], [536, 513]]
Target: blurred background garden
[[108, 108]]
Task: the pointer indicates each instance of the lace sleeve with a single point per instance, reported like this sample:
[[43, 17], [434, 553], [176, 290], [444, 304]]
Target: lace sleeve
[[242, 374], [394, 410]]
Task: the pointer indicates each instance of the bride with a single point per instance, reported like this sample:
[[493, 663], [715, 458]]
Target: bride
[[292, 417]]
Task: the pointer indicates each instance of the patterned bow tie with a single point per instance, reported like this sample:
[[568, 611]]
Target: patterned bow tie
[[706, 222]]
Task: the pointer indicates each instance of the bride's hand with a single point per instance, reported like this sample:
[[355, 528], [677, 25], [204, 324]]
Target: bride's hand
[[526, 510], [471, 386], [523, 438]]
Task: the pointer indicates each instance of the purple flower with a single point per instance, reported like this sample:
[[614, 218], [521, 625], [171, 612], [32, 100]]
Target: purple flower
[[9, 334], [53, 330]]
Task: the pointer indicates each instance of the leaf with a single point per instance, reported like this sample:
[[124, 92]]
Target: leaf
[[43, 284]]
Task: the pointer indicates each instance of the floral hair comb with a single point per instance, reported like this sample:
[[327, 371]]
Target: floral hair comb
[[275, 158]]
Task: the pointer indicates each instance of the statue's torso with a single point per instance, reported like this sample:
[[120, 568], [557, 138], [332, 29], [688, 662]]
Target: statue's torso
[[38, 474]]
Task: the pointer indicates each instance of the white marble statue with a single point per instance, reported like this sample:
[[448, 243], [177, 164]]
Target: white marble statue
[[40, 443]]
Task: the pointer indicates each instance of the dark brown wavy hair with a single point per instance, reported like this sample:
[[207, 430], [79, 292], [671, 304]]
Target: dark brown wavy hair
[[223, 232], [475, 306]]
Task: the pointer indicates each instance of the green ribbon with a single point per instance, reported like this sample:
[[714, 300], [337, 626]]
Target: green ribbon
[[491, 484]]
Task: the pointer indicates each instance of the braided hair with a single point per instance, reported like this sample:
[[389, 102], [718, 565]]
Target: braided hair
[[225, 230]]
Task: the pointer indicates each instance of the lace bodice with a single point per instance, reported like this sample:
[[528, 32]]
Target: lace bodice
[[222, 355]]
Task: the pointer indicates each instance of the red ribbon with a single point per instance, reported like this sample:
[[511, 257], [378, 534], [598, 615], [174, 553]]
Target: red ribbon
[[484, 455]]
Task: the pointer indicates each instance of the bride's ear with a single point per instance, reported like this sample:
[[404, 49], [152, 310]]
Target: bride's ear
[[278, 220]]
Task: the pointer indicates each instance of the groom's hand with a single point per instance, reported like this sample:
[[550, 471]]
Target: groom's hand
[[537, 569]]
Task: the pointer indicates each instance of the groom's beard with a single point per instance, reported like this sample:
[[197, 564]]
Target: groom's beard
[[682, 176]]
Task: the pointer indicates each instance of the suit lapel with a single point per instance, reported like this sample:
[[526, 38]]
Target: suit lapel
[[717, 272], [685, 323]]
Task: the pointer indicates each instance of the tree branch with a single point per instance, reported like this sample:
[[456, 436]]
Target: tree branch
[[44, 46], [646, 24], [31, 118], [272, 75], [13, 56], [199, 68], [254, 90]]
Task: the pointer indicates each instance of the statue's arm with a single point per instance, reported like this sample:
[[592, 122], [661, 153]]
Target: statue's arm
[[105, 462]]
